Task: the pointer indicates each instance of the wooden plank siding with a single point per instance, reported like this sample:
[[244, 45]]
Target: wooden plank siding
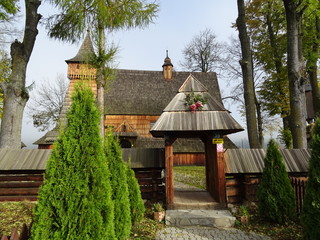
[[140, 123], [188, 159]]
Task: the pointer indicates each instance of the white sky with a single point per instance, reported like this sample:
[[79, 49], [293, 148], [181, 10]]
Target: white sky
[[178, 21]]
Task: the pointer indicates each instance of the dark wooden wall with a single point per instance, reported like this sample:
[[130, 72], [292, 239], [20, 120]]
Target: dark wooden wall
[[188, 159]]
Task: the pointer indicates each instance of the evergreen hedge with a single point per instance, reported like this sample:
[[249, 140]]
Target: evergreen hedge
[[75, 200], [310, 217], [120, 193], [137, 208], [276, 199]]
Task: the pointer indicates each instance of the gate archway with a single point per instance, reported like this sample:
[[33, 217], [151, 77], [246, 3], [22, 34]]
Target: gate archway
[[209, 122]]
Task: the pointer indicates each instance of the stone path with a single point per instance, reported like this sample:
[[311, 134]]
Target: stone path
[[205, 233]]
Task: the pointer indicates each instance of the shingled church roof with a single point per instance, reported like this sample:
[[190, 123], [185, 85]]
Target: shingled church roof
[[136, 92]]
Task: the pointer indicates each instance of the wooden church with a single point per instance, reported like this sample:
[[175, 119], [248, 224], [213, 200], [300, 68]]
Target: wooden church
[[134, 101]]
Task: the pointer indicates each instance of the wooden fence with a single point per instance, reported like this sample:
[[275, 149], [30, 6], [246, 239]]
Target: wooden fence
[[24, 234], [299, 186], [19, 186], [244, 187]]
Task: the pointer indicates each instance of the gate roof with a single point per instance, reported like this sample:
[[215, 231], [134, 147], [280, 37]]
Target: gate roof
[[177, 119]]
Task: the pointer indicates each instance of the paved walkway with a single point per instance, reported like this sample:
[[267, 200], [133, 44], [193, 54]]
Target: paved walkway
[[205, 233]]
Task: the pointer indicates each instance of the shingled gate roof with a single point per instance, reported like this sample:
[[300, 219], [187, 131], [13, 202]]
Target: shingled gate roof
[[178, 119]]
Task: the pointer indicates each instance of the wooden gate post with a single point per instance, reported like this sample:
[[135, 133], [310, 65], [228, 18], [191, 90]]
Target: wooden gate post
[[215, 174], [169, 170]]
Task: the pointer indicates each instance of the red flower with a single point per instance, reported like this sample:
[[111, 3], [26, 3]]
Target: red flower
[[193, 107], [199, 104]]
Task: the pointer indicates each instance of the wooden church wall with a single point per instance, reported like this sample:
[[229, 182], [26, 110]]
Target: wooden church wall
[[139, 123]]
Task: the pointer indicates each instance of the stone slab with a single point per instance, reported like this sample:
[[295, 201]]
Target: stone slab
[[208, 218]]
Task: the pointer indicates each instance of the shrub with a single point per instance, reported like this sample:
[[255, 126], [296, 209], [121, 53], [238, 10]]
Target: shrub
[[137, 208], [311, 205], [75, 200], [276, 199], [120, 193]]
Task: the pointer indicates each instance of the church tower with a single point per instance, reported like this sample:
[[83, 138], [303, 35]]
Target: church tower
[[167, 68]]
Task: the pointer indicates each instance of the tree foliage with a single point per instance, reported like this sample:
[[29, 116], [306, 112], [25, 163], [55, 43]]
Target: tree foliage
[[119, 185], [46, 103], [276, 199], [311, 205], [202, 53], [7, 9], [75, 199], [137, 208]]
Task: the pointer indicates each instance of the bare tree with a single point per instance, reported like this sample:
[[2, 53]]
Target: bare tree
[[46, 104], [203, 52]]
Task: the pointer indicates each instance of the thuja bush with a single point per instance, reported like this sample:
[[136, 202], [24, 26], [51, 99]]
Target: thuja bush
[[75, 200], [137, 208], [120, 193], [276, 199], [310, 219]]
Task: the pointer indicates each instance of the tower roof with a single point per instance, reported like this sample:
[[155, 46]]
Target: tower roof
[[85, 53], [167, 61]]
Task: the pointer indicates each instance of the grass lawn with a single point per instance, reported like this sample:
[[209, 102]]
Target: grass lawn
[[14, 214], [191, 175]]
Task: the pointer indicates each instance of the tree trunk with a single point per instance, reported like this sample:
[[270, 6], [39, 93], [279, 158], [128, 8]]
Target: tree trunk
[[295, 75], [247, 72], [100, 78], [15, 92], [313, 72], [259, 121]]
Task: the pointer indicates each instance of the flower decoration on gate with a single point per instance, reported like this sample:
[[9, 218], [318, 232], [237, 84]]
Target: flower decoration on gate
[[195, 101]]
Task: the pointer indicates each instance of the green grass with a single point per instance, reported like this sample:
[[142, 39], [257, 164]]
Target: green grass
[[14, 214], [191, 175], [287, 231]]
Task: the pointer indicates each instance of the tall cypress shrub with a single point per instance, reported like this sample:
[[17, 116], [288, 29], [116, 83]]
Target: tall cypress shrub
[[120, 193], [311, 205], [137, 208], [75, 200], [276, 199]]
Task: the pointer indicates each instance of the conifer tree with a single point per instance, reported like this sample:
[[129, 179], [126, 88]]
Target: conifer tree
[[276, 199], [75, 200], [120, 192], [311, 205], [137, 208]]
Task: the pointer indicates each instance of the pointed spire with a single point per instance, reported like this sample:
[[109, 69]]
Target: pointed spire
[[85, 52]]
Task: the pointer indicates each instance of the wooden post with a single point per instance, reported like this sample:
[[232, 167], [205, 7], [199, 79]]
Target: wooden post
[[169, 171], [216, 184]]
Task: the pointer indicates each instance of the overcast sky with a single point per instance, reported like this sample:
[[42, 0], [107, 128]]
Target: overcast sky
[[141, 49]]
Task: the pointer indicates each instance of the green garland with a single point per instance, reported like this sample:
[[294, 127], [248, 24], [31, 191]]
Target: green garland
[[195, 101]]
